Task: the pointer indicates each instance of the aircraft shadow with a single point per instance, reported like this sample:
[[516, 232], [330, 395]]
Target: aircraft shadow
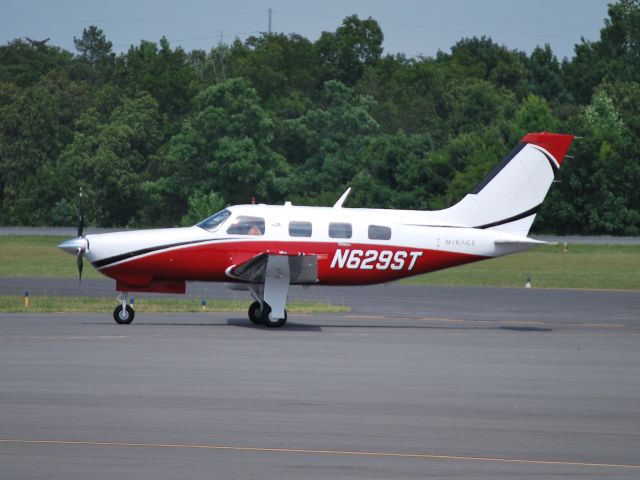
[[527, 329], [316, 328], [289, 327]]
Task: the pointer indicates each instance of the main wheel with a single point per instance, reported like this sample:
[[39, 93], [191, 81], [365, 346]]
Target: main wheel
[[123, 317], [254, 314], [275, 322]]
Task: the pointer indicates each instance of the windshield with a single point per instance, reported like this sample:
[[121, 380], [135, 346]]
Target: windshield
[[215, 220]]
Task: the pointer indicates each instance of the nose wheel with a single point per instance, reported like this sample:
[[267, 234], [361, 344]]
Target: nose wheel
[[254, 314], [123, 313]]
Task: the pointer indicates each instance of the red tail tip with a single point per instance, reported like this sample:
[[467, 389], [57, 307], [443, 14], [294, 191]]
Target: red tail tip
[[557, 144]]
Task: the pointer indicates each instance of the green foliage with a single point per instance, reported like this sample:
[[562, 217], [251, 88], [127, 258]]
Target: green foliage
[[161, 136], [345, 54], [164, 73], [276, 66], [615, 57], [329, 142], [94, 48], [24, 62], [110, 160], [53, 304], [36, 123], [535, 114], [223, 146], [201, 205], [545, 74]]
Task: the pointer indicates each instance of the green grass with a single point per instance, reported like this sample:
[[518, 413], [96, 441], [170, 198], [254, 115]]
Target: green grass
[[39, 256], [46, 304], [583, 266]]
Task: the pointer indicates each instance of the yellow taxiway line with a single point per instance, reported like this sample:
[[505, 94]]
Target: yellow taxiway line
[[427, 456]]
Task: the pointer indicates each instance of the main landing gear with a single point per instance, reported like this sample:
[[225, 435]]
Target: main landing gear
[[123, 313], [270, 295], [262, 316]]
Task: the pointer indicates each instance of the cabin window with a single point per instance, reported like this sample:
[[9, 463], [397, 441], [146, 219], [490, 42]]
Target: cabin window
[[378, 232], [340, 230], [300, 229], [247, 226], [215, 220]]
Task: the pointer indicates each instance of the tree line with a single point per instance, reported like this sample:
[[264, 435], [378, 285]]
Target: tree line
[[159, 136]]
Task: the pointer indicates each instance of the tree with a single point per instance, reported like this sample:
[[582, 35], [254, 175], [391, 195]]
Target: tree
[[329, 142], [165, 73], [411, 95], [398, 172], [201, 205], [615, 57], [355, 45], [534, 115], [597, 192], [544, 74], [476, 104], [277, 65], [94, 48], [24, 62], [484, 59], [110, 161], [224, 147], [36, 124], [465, 160]]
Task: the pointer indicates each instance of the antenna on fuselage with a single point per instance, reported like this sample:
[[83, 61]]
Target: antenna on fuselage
[[341, 200]]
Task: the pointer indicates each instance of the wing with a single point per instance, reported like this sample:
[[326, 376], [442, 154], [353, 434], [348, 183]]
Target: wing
[[302, 268]]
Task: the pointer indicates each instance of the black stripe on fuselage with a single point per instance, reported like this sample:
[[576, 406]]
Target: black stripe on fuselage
[[136, 253], [520, 216]]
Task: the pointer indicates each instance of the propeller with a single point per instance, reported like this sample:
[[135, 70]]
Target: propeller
[[79, 245], [79, 263], [80, 216], [80, 251]]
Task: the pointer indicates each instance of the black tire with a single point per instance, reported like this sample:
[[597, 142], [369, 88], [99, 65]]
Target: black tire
[[123, 318], [272, 323], [254, 314]]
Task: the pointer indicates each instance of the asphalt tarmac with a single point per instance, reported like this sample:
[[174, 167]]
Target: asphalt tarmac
[[398, 301], [415, 382]]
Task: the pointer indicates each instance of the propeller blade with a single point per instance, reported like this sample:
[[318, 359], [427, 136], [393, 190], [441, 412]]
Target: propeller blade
[[81, 216], [80, 264]]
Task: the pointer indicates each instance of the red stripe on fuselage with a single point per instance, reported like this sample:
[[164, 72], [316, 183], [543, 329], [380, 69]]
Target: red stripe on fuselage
[[356, 264]]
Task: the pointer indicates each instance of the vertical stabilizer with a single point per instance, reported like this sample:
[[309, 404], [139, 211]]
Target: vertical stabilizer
[[509, 197]]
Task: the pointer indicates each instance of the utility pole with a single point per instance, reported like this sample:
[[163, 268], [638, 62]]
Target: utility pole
[[269, 21]]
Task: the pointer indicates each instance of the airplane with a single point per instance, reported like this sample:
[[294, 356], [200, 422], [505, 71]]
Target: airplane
[[267, 248]]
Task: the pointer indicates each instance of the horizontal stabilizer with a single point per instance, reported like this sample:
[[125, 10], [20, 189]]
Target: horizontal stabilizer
[[520, 241]]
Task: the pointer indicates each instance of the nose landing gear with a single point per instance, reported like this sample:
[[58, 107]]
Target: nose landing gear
[[254, 314], [123, 313]]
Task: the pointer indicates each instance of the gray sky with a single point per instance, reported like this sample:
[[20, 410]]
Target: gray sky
[[410, 26]]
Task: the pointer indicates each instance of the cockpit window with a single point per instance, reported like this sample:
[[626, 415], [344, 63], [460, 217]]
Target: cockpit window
[[247, 226], [215, 220]]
